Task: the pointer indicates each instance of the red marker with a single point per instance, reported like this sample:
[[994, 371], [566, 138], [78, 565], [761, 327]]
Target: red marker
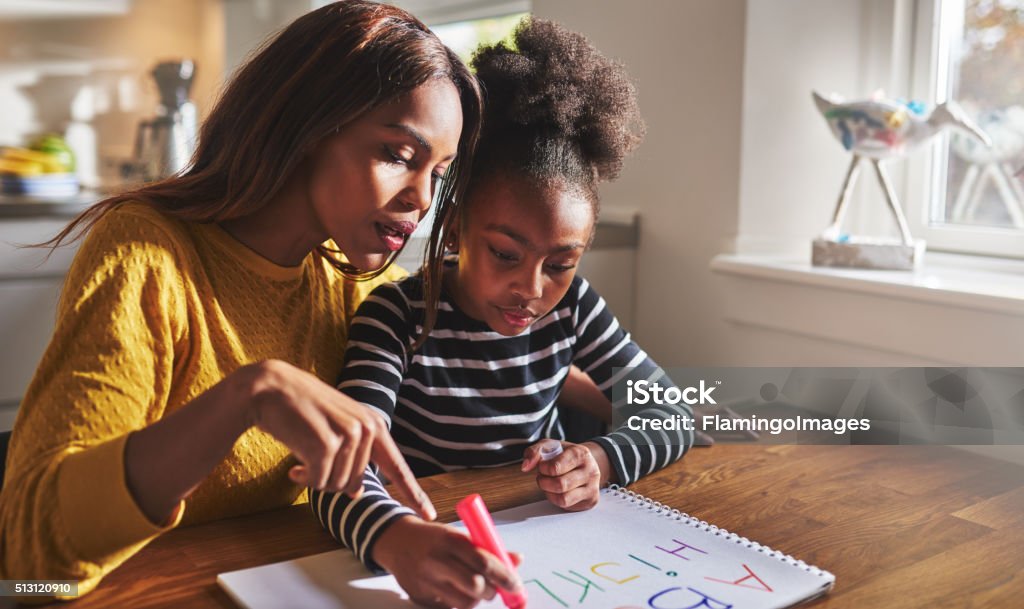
[[478, 520]]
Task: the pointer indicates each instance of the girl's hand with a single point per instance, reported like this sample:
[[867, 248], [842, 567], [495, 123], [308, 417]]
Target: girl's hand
[[333, 436], [573, 479], [438, 566]]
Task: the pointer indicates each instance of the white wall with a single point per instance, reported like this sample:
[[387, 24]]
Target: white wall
[[251, 22], [686, 58]]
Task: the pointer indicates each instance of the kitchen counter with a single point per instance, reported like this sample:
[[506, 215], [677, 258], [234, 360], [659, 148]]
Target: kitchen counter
[[22, 207]]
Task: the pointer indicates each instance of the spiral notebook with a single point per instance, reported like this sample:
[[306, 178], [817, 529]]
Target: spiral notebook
[[628, 551]]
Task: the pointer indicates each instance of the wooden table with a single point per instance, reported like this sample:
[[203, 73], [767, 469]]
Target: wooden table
[[899, 526]]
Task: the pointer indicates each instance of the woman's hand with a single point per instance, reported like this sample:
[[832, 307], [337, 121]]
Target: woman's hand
[[332, 435], [573, 479], [438, 566]]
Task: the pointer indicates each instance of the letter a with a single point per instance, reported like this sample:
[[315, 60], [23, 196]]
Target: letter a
[[739, 581]]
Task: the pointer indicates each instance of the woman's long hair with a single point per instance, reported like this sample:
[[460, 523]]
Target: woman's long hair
[[324, 71]]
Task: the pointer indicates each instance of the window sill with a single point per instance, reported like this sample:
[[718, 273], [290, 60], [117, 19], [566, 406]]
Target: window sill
[[958, 310], [973, 282]]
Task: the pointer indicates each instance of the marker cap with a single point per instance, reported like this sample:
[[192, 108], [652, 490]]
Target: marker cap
[[549, 449]]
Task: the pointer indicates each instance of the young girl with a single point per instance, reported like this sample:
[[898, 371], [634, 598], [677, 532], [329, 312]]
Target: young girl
[[513, 318]]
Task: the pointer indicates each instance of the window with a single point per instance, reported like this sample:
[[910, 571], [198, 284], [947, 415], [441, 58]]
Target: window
[[971, 51], [465, 36]]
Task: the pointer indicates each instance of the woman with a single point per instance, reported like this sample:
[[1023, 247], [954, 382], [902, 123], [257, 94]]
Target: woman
[[203, 314]]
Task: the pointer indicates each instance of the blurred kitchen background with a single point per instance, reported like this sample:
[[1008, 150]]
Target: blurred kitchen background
[[704, 242]]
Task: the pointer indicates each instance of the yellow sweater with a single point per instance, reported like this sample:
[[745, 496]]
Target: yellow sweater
[[155, 311]]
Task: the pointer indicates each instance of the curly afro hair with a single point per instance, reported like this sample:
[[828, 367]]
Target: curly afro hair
[[557, 109]]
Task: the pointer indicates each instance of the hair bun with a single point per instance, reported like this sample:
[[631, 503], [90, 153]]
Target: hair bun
[[551, 83]]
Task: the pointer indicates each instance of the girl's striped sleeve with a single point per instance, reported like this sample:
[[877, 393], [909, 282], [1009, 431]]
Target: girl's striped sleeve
[[606, 352], [375, 362]]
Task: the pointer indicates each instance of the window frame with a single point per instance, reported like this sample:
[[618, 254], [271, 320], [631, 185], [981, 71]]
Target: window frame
[[434, 13], [933, 25]]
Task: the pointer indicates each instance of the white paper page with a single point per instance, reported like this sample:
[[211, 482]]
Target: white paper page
[[620, 554]]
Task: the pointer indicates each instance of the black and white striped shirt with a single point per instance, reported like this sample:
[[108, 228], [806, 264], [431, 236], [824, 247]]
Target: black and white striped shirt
[[471, 397]]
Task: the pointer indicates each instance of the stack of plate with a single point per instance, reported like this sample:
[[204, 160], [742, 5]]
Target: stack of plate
[[45, 186]]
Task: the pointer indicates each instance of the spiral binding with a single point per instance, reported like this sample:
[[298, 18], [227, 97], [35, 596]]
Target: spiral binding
[[660, 509]]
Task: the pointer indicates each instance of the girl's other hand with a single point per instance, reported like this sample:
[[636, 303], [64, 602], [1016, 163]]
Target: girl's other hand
[[438, 566], [573, 479], [333, 436]]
